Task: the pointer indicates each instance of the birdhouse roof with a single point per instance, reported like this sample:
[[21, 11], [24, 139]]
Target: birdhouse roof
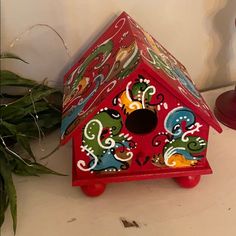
[[110, 60]]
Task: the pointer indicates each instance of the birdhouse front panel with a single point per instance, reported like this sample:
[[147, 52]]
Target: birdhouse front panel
[[132, 111], [138, 131]]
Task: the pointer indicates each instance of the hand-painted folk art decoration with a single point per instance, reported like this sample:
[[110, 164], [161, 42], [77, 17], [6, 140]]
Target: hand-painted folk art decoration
[[133, 113]]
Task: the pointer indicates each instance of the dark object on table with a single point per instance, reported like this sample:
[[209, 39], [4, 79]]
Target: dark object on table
[[225, 108]]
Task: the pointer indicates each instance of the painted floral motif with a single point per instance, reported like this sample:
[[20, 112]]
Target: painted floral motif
[[71, 114], [108, 64], [81, 88], [138, 96], [157, 56], [181, 147], [164, 63], [104, 143]]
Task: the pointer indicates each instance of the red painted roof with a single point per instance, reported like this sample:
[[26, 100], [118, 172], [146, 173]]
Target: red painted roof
[[102, 68], [111, 59]]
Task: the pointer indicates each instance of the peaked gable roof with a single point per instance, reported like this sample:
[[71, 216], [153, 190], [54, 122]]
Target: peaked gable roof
[[112, 58]]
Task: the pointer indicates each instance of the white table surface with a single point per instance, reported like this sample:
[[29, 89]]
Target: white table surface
[[49, 206]]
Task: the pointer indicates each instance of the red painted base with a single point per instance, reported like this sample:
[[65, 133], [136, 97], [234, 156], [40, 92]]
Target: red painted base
[[93, 190], [225, 108], [188, 181]]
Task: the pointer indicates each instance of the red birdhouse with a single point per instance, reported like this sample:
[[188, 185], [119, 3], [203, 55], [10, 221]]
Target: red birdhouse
[[133, 113]]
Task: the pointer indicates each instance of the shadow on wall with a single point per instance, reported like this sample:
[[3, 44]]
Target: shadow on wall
[[219, 60]]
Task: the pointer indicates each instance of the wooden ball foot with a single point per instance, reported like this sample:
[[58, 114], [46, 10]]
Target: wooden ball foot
[[93, 190], [188, 181]]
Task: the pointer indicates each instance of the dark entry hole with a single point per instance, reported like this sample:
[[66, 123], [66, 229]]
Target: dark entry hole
[[141, 121]]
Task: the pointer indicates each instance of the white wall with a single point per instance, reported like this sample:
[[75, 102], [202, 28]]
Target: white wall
[[201, 34]]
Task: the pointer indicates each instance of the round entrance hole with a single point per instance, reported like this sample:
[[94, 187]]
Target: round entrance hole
[[141, 121]]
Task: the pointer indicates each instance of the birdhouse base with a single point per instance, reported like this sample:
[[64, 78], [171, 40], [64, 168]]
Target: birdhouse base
[[186, 178], [96, 189]]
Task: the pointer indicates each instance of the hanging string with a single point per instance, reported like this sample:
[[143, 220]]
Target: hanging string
[[35, 115], [21, 35], [41, 134], [13, 153], [36, 119]]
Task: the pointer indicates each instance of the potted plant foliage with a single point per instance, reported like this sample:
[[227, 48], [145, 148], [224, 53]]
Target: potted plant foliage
[[23, 117]]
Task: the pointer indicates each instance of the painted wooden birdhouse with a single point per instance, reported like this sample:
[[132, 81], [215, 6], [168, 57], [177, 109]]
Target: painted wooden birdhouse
[[133, 113]]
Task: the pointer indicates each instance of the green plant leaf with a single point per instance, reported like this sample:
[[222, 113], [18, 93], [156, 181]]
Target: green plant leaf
[[5, 172], [8, 78], [28, 128], [24, 143], [20, 138], [49, 120], [26, 105], [17, 125], [8, 55], [12, 96], [12, 128], [9, 114], [3, 200], [31, 168], [37, 94], [41, 169]]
